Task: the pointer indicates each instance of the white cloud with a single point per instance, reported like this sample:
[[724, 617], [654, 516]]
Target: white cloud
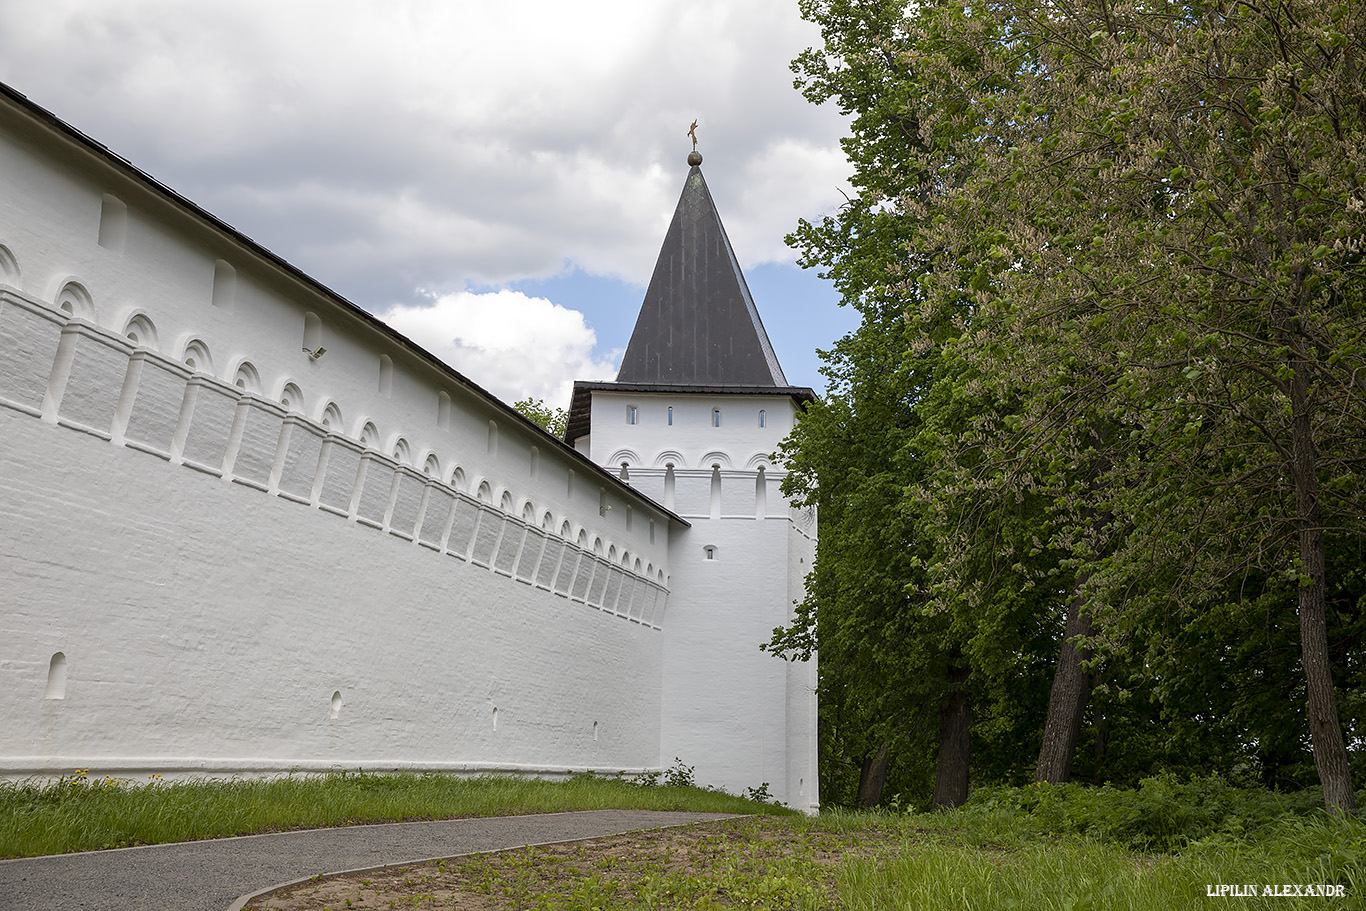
[[388, 145], [511, 344]]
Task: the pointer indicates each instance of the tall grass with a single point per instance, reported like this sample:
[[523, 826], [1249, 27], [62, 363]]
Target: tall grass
[[76, 814], [1076, 875], [1159, 846]]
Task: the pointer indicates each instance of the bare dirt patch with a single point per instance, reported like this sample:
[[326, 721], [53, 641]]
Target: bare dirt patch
[[753, 862]]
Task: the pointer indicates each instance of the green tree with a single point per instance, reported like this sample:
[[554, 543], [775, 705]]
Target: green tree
[[900, 680], [549, 418], [1126, 245], [1164, 227]]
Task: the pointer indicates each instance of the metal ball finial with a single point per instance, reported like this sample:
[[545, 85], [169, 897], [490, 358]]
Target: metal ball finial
[[694, 158]]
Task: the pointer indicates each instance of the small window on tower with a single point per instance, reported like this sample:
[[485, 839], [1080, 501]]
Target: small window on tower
[[671, 415], [632, 414], [716, 417], [763, 421]]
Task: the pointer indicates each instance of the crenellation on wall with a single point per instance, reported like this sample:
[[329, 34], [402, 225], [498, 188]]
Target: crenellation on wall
[[157, 401], [85, 364], [260, 428], [533, 546], [302, 467], [208, 424], [583, 576], [437, 516], [488, 530], [339, 465], [30, 334], [464, 521], [601, 572], [376, 489], [409, 490], [509, 544]]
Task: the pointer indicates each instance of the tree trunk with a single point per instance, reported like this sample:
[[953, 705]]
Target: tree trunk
[[1325, 730], [1067, 701], [1098, 717], [873, 777], [955, 723]]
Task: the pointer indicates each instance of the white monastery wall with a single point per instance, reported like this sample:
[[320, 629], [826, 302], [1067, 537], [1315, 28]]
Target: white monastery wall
[[206, 625], [210, 532]]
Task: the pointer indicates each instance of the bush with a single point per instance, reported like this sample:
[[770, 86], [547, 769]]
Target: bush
[[1163, 814]]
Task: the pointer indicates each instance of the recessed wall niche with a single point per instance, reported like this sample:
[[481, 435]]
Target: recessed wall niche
[[313, 332], [141, 332], [443, 410], [56, 677], [73, 298], [224, 284], [197, 358], [386, 374], [113, 223], [292, 398]]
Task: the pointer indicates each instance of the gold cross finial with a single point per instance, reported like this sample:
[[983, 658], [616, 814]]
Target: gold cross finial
[[692, 131]]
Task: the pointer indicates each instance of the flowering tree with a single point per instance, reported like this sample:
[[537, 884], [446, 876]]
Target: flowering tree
[[1163, 231], [1130, 239]]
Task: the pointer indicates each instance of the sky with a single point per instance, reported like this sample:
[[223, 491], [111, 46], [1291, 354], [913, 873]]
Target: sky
[[494, 180]]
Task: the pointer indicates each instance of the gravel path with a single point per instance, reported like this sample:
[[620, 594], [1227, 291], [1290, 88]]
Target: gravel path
[[219, 875]]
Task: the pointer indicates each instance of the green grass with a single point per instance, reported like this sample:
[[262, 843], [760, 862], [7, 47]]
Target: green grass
[[76, 814], [1071, 849], [1080, 875], [867, 861]]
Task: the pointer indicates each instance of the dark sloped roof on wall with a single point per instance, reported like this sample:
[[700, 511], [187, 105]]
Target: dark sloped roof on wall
[[22, 103], [698, 324]]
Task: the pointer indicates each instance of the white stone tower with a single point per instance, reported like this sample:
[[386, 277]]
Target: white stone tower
[[697, 409]]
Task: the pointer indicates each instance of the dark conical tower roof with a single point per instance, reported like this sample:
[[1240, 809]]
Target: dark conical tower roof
[[698, 324], [698, 330]]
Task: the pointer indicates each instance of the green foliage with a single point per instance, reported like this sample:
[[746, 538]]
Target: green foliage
[[680, 775], [1062, 846], [549, 418], [1111, 263], [1163, 813]]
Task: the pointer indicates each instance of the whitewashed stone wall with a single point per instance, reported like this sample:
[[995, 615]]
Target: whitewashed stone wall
[[221, 552]]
